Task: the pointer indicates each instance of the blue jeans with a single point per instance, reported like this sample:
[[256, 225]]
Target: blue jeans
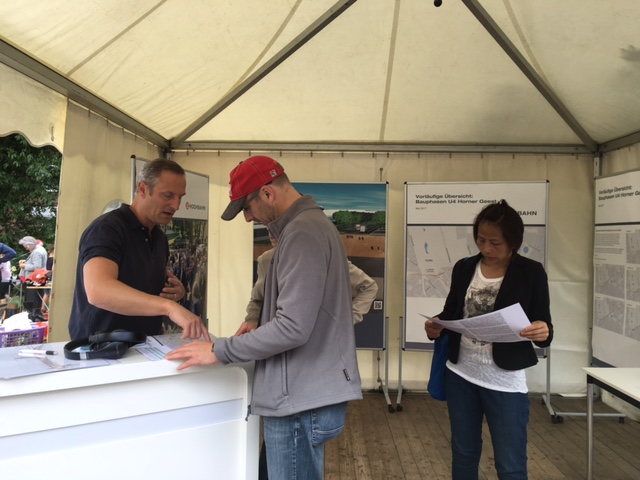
[[507, 416], [295, 443]]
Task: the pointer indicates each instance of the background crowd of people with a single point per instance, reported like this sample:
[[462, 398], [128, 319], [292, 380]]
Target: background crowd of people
[[34, 267]]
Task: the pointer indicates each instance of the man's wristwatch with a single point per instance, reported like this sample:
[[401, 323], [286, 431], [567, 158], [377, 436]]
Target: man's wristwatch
[[213, 345]]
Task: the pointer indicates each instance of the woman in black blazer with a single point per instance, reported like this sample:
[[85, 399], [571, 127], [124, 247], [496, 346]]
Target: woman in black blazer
[[485, 379]]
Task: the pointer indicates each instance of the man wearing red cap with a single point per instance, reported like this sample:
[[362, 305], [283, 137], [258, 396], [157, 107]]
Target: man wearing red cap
[[306, 368]]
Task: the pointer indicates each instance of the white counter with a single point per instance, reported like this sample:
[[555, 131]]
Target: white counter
[[137, 419]]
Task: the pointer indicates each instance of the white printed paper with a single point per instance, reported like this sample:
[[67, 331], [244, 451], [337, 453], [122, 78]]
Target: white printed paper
[[502, 325]]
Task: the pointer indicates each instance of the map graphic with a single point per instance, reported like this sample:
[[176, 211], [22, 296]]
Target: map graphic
[[432, 251], [609, 314], [633, 322], [633, 247], [609, 280]]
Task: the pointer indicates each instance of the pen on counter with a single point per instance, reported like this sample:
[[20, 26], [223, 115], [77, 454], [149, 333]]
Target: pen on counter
[[36, 353]]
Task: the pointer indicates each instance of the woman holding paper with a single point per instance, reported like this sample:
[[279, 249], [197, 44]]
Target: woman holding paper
[[485, 379]]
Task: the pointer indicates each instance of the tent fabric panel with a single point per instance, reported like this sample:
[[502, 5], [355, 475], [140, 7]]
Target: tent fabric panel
[[587, 51], [469, 89], [463, 92], [331, 94], [65, 34], [162, 64], [391, 72], [31, 109], [198, 56]]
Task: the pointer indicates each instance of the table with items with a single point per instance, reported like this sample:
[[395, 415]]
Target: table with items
[[70, 415]]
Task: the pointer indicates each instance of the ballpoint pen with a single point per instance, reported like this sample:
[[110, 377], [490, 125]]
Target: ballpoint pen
[[36, 353]]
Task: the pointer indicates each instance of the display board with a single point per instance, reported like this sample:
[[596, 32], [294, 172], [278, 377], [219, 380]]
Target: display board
[[616, 271], [359, 211], [188, 237], [439, 231]]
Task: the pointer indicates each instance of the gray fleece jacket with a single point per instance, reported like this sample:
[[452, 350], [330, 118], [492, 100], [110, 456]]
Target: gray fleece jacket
[[305, 345]]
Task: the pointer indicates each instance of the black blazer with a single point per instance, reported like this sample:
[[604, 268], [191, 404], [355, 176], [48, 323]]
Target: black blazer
[[525, 282]]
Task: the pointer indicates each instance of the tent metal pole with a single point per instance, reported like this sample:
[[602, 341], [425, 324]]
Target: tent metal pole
[[621, 142], [378, 148]]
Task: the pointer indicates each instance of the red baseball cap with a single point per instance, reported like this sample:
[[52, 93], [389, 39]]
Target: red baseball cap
[[248, 177]]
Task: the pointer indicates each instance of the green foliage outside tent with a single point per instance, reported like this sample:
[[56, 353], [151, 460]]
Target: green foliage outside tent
[[29, 182], [349, 221]]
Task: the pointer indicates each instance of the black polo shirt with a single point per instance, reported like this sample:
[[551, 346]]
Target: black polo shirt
[[142, 263]]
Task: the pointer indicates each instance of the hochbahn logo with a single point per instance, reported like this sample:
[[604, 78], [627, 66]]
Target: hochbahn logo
[[194, 206]]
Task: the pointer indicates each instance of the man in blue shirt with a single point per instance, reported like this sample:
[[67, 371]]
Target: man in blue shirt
[[122, 281]]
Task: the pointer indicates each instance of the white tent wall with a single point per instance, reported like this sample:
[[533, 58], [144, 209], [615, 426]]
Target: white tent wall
[[20, 97], [569, 244], [95, 170]]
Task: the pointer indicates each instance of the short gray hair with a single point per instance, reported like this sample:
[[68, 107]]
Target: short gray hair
[[152, 171]]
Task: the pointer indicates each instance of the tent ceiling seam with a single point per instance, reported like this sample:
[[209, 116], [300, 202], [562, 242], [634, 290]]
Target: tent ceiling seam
[[269, 44], [115, 38], [390, 65], [525, 42], [316, 27]]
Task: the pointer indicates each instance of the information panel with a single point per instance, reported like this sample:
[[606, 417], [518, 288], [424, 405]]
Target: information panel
[[616, 275], [439, 231]]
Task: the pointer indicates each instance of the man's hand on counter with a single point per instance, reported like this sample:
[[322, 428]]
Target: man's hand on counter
[[194, 353]]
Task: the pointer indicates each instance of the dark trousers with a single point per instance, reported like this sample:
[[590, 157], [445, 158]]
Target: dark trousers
[[32, 301], [263, 473]]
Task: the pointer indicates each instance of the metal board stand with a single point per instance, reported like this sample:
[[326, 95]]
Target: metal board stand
[[384, 386], [399, 398], [558, 417]]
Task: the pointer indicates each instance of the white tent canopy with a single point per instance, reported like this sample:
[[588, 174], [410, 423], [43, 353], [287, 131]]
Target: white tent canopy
[[391, 74]]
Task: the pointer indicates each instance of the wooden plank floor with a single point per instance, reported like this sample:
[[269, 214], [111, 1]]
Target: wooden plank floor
[[413, 444]]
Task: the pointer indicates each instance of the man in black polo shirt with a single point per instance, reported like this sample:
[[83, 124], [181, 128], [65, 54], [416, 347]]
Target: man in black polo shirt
[[122, 281]]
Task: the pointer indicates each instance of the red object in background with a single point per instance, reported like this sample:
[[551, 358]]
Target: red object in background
[[46, 330]]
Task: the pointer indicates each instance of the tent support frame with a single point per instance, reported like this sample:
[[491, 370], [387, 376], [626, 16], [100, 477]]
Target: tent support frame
[[379, 148]]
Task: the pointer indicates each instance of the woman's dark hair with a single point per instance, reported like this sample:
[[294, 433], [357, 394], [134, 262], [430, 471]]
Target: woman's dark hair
[[504, 217]]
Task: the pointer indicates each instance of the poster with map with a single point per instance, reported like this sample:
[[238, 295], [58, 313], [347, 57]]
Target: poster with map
[[616, 271], [439, 231]]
